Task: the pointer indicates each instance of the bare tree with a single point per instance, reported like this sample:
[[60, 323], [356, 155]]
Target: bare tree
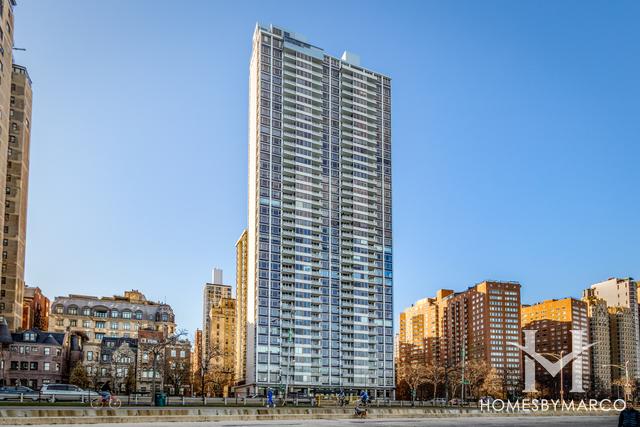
[[213, 371], [157, 351], [475, 373], [434, 375], [493, 384], [176, 373], [414, 374], [454, 379], [93, 372], [122, 360]]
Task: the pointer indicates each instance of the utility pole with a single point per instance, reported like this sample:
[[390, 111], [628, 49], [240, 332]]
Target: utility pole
[[561, 378], [286, 387], [463, 362]]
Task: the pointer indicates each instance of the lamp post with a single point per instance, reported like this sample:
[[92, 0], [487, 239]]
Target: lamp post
[[627, 383], [558, 357]]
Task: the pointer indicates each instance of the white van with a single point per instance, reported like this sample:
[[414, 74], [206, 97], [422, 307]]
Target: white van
[[66, 392]]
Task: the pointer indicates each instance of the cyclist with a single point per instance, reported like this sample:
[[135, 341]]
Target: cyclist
[[364, 397], [105, 392], [270, 403]]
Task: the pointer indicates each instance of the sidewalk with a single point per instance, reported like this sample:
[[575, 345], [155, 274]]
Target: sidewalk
[[43, 416]]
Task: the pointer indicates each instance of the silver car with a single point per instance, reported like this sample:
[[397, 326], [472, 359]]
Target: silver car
[[66, 392], [17, 393]]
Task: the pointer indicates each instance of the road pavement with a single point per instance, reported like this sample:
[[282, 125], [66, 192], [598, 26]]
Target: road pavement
[[533, 421]]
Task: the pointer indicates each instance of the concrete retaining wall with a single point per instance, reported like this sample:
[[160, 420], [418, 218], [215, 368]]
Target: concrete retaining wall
[[16, 416]]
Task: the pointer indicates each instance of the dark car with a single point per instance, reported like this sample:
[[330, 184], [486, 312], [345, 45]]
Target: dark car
[[14, 393]]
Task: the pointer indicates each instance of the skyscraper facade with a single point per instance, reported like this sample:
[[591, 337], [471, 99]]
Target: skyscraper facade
[[319, 237], [599, 332], [15, 121], [241, 308], [16, 192], [622, 293], [212, 293]]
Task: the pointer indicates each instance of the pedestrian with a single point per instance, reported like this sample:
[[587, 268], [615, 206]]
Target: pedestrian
[[629, 416], [270, 403]]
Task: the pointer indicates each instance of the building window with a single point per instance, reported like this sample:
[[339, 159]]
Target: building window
[[47, 351], [89, 356], [47, 366]]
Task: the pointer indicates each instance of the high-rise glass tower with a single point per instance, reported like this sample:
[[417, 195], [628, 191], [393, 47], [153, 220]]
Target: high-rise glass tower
[[320, 275]]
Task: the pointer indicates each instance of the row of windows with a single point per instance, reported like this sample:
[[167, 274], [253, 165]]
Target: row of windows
[[34, 366], [87, 311]]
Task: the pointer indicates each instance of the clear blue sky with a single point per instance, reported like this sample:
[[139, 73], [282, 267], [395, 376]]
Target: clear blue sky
[[515, 135]]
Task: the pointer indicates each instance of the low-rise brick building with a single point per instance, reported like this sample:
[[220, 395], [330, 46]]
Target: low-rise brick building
[[32, 358]]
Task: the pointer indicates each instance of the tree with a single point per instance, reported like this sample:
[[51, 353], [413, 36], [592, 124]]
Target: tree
[[122, 361], [414, 374], [79, 376], [176, 373], [130, 381], [93, 374], [435, 376], [213, 375], [158, 351], [493, 384], [454, 379], [475, 373]]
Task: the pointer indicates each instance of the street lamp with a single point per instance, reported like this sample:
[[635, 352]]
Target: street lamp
[[558, 357], [627, 383]]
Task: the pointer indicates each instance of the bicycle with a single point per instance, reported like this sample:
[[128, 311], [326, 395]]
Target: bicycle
[[102, 401]]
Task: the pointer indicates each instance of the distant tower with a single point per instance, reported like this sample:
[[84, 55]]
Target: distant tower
[[216, 276], [211, 295]]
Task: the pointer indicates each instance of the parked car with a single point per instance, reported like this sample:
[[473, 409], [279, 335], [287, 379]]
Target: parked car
[[67, 392], [456, 402], [15, 392], [438, 401]]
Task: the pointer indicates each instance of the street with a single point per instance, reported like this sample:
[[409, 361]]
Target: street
[[554, 421]]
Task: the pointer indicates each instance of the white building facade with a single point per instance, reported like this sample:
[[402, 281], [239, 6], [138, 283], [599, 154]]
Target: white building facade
[[320, 274]]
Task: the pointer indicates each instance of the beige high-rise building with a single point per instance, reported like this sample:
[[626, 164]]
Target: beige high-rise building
[[623, 293], [212, 293], [599, 332], [16, 194], [241, 308], [412, 338], [222, 345], [623, 344]]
